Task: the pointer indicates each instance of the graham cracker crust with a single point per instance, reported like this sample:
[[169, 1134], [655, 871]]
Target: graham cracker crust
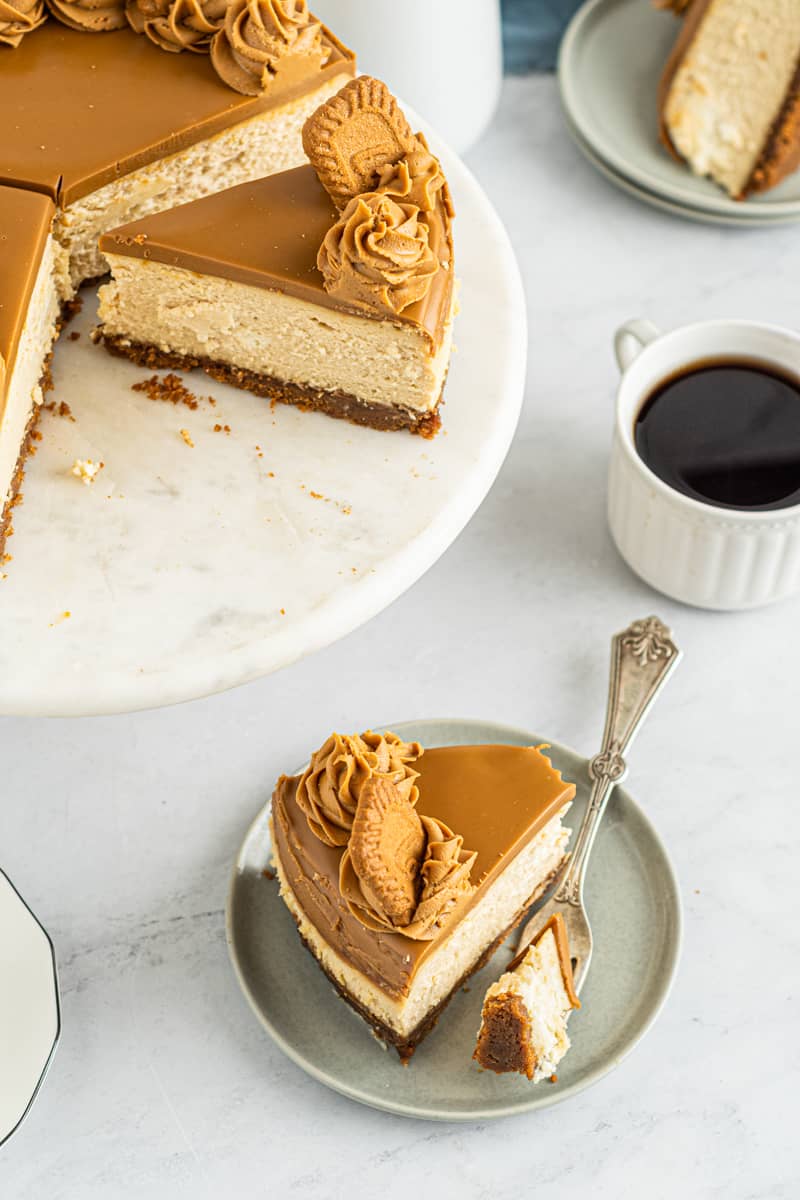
[[781, 153], [338, 404], [406, 1045], [14, 495]]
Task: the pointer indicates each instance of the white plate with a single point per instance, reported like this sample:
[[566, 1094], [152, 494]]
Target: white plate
[[634, 905], [657, 201], [30, 1019], [610, 63], [187, 571]]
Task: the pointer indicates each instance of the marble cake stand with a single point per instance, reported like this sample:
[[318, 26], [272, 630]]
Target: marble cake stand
[[187, 569]]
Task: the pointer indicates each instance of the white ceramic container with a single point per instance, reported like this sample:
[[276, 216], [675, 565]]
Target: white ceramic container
[[30, 1017], [711, 557], [443, 57]]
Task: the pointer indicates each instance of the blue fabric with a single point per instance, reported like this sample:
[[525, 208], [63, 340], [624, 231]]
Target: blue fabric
[[532, 31]]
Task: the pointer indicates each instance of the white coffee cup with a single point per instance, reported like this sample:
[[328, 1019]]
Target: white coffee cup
[[443, 57], [712, 557]]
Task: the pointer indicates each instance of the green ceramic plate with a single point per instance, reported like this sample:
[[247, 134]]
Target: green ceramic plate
[[610, 62], [686, 211], [632, 898]]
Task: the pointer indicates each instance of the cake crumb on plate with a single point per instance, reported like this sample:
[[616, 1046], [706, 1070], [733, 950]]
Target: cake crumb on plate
[[86, 470]]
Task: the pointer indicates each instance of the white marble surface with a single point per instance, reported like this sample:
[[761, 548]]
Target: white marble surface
[[120, 831]]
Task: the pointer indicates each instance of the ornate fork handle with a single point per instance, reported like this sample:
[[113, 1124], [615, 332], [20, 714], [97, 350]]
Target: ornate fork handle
[[643, 657]]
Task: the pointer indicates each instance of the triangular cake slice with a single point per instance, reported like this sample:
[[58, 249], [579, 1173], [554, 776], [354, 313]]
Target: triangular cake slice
[[525, 1013], [329, 288], [729, 99], [28, 325], [405, 869]]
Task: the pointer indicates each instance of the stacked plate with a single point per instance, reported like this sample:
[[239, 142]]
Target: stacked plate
[[611, 60]]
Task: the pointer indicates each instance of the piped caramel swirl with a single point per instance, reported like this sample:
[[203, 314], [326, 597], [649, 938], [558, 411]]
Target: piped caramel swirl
[[19, 17], [379, 254], [331, 786], [256, 38], [187, 25]]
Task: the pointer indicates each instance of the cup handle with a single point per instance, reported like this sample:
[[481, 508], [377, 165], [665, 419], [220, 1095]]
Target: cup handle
[[631, 338]]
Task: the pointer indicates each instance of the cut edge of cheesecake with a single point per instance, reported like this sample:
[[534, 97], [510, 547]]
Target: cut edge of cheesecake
[[29, 324], [525, 1013], [715, 143]]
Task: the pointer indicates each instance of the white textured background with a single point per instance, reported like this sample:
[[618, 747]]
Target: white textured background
[[120, 831]]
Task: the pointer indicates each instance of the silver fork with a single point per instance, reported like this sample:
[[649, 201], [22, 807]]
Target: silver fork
[[643, 657]]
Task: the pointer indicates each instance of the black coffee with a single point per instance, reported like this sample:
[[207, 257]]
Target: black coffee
[[726, 432]]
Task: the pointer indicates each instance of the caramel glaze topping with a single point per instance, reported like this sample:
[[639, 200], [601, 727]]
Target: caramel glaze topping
[[497, 797], [70, 125]]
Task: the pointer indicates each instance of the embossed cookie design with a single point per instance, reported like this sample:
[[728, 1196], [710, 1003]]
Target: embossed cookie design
[[387, 844], [352, 137]]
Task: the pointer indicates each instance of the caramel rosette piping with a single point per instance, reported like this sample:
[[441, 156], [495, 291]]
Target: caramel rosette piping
[[90, 16], [416, 179], [331, 785], [188, 25], [443, 883], [258, 36], [140, 12], [378, 254], [18, 18]]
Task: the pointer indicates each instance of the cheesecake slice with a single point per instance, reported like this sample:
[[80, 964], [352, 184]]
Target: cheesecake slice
[[29, 311], [729, 98], [525, 1013], [405, 869], [329, 286], [112, 128]]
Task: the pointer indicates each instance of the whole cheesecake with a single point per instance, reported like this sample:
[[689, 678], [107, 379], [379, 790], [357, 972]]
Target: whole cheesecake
[[112, 111], [405, 868]]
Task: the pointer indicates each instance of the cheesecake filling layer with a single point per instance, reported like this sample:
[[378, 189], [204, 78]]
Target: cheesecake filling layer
[[22, 388], [273, 334], [450, 960], [262, 145], [726, 84]]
